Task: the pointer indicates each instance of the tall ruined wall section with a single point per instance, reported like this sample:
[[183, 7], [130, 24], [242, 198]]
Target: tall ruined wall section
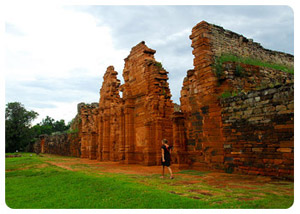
[[147, 106], [88, 129], [111, 117], [207, 137], [199, 104], [131, 128]]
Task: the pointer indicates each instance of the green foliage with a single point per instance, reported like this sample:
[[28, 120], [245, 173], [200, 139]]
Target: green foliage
[[49, 126], [159, 65], [227, 94], [71, 131], [250, 61], [218, 69], [18, 133]]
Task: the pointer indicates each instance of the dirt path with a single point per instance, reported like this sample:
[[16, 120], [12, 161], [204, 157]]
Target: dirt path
[[111, 167], [216, 179]]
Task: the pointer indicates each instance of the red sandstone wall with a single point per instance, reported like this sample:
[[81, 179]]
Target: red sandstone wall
[[199, 104], [110, 119], [60, 144], [202, 89], [88, 130], [147, 108], [131, 128]]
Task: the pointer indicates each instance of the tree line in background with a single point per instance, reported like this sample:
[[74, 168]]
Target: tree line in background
[[20, 134]]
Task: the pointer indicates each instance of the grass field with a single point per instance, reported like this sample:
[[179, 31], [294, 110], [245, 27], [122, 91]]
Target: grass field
[[34, 182]]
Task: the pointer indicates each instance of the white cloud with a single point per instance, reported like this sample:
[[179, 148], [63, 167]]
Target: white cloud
[[57, 40], [62, 110], [58, 44]]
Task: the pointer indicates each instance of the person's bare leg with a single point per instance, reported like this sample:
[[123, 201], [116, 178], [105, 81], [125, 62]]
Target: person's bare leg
[[163, 172], [171, 174]]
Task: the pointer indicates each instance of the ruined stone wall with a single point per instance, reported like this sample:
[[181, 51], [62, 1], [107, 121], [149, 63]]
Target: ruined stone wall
[[88, 129], [148, 107], [199, 104], [59, 144], [202, 89], [258, 128], [238, 77], [225, 41], [131, 128], [110, 141]]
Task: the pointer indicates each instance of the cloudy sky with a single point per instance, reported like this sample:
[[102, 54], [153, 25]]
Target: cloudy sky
[[55, 56]]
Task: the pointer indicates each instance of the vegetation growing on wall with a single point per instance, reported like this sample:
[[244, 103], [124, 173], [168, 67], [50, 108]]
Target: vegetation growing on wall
[[227, 94], [249, 61]]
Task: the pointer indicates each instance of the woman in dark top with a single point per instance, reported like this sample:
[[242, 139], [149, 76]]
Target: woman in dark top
[[166, 158]]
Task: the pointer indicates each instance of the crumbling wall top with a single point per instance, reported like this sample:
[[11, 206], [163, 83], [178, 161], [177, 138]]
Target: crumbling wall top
[[224, 41]]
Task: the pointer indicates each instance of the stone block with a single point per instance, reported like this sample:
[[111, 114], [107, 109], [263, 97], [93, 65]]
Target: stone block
[[227, 146], [287, 144], [285, 150], [257, 149], [280, 108]]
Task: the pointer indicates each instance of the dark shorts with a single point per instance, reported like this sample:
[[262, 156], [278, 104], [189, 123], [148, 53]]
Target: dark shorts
[[166, 163]]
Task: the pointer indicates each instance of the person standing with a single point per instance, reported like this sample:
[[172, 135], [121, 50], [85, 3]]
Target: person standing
[[166, 157]]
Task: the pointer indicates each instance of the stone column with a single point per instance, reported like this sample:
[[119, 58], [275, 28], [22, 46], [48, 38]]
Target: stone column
[[42, 145], [93, 147], [84, 146], [100, 139], [106, 138], [157, 140], [179, 141], [129, 134], [122, 137], [149, 151]]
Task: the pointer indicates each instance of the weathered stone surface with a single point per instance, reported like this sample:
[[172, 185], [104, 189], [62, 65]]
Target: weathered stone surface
[[88, 130], [62, 144], [254, 112], [267, 132], [131, 128]]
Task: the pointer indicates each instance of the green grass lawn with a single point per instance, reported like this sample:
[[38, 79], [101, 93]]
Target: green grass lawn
[[31, 182]]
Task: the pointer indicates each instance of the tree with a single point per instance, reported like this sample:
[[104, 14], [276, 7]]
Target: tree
[[18, 133], [60, 126], [48, 121], [46, 126], [49, 126]]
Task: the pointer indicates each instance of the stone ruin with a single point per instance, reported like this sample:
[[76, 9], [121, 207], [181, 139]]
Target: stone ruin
[[127, 129], [250, 132]]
